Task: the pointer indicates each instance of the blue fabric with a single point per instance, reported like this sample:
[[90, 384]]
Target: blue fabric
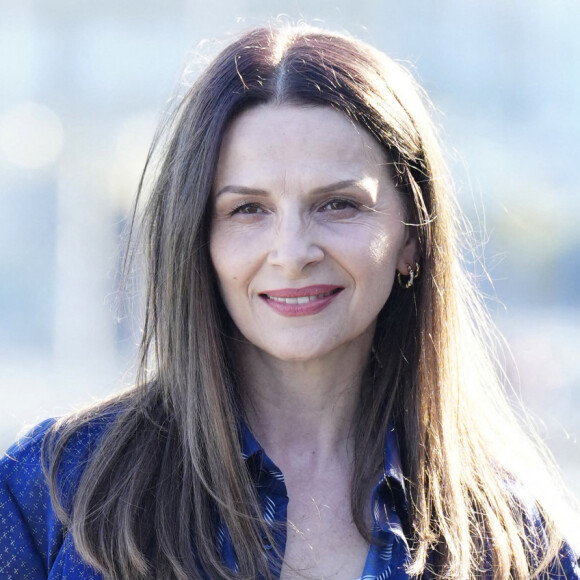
[[33, 544]]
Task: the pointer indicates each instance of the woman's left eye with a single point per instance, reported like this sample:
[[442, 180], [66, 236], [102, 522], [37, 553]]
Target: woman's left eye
[[338, 205]]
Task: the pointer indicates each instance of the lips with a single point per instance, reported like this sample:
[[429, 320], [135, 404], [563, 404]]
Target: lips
[[301, 301]]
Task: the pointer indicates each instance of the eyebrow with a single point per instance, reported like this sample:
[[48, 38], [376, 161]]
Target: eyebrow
[[345, 184]]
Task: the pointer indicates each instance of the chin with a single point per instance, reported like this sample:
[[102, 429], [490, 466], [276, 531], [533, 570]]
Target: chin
[[295, 355], [304, 352], [289, 351]]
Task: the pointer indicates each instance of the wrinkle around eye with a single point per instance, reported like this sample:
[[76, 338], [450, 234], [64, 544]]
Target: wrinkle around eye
[[341, 209], [346, 204], [248, 209], [225, 209]]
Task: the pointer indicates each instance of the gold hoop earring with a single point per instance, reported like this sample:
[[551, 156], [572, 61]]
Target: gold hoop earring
[[413, 275]]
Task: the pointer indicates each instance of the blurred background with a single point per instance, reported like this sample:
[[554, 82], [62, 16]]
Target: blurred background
[[83, 84]]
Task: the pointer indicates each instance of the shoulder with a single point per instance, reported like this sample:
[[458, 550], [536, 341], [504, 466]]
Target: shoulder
[[31, 535], [21, 464], [80, 439], [566, 566], [24, 504], [563, 560], [68, 447]]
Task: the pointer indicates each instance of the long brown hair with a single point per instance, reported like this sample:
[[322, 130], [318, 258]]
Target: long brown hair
[[170, 466]]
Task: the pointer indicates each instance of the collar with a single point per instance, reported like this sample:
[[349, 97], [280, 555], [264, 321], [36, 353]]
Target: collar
[[250, 445], [262, 469], [392, 479], [389, 498], [393, 465], [389, 504]]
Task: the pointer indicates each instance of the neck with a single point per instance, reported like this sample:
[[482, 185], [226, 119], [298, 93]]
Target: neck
[[303, 412]]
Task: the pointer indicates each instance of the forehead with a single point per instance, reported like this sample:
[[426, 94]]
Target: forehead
[[295, 135]]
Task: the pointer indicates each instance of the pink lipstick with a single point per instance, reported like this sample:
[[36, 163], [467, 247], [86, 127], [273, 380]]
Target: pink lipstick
[[301, 301]]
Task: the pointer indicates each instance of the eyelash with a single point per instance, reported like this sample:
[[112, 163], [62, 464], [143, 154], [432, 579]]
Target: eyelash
[[347, 203], [244, 206]]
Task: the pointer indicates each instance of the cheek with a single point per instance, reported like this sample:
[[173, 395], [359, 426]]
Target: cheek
[[376, 265], [221, 258], [215, 253], [380, 248], [233, 260]]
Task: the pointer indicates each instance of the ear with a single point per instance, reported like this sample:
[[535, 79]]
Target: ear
[[409, 254]]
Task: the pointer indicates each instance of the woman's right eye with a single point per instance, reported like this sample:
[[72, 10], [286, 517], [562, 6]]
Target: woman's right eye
[[248, 209]]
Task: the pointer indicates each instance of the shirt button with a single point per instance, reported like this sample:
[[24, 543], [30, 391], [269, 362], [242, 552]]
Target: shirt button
[[266, 544]]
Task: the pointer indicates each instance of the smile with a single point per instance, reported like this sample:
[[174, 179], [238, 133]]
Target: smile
[[301, 301]]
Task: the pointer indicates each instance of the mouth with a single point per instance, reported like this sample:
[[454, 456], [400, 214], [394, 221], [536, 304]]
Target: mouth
[[303, 295], [301, 301]]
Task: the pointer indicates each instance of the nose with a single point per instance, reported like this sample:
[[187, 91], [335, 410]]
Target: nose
[[294, 245]]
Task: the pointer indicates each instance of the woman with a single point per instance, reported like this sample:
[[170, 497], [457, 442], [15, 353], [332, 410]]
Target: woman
[[305, 291]]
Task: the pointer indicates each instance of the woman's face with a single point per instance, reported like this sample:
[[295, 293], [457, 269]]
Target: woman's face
[[307, 230]]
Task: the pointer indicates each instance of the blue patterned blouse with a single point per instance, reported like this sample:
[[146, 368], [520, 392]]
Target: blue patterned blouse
[[33, 544]]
